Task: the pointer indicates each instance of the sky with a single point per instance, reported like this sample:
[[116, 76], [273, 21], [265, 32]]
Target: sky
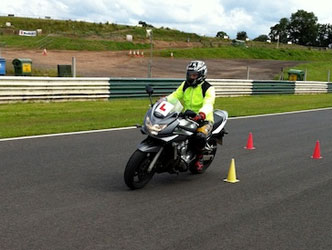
[[203, 17]]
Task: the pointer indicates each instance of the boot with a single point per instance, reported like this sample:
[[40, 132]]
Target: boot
[[199, 162]]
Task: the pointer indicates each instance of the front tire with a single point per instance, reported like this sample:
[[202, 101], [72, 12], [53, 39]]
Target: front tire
[[136, 173]]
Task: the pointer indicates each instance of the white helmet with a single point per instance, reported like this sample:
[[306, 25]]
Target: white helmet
[[196, 73]]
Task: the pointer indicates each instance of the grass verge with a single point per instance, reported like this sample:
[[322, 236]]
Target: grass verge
[[231, 52], [316, 71], [66, 43], [23, 119]]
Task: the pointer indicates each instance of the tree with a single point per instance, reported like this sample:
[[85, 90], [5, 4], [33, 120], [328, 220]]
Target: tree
[[145, 25], [303, 28], [324, 38], [242, 35], [280, 31], [261, 38], [221, 34]]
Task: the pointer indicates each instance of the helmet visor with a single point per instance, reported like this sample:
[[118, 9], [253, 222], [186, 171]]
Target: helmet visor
[[192, 75]]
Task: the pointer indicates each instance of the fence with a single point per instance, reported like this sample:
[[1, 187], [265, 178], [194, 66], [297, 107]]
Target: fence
[[55, 88]]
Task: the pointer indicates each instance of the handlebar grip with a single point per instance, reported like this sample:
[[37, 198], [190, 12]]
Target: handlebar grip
[[190, 113]]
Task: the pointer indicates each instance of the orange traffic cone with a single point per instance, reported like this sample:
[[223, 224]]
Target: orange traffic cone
[[250, 142], [44, 52], [316, 154], [231, 177]]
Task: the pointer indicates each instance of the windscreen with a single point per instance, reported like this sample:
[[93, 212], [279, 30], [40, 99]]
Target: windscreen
[[166, 108]]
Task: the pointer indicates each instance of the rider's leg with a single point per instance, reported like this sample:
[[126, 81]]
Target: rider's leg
[[199, 142]]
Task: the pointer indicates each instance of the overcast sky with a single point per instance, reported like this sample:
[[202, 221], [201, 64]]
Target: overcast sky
[[204, 17]]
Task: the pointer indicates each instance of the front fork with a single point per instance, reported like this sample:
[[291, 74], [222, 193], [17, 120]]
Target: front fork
[[155, 158]]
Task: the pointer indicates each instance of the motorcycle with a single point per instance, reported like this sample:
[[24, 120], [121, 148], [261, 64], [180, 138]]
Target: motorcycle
[[169, 144]]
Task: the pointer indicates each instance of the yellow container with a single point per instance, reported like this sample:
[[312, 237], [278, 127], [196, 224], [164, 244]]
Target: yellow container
[[26, 68], [295, 75]]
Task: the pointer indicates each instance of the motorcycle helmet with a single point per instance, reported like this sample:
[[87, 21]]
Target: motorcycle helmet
[[196, 73]]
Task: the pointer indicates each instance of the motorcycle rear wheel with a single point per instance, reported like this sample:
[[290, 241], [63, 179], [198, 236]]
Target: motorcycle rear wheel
[[136, 173], [206, 163]]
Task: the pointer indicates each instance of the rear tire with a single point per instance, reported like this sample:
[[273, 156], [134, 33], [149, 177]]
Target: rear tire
[[206, 163], [136, 173]]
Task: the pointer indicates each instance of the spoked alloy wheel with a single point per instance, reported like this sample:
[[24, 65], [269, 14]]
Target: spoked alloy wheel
[[136, 173]]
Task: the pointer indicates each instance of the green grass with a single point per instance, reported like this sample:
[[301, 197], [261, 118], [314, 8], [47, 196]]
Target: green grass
[[22, 119], [265, 104], [67, 43], [316, 71], [39, 118], [230, 52], [317, 62], [54, 26], [34, 72], [80, 29], [83, 31]]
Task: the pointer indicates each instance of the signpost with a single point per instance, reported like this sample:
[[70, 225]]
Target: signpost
[[149, 34], [27, 33]]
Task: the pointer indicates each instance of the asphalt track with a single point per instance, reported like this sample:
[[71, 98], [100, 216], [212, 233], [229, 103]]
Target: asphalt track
[[67, 192]]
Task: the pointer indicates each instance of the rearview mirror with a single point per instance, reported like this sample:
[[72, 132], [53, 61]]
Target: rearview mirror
[[149, 89]]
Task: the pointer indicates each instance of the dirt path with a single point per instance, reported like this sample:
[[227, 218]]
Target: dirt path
[[120, 64]]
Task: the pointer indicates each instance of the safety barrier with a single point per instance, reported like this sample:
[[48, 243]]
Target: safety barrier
[[52, 88], [311, 87], [67, 88], [135, 87], [329, 87], [273, 87], [231, 87]]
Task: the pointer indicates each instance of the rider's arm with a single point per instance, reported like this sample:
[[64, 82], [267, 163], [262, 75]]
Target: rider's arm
[[208, 102], [177, 95]]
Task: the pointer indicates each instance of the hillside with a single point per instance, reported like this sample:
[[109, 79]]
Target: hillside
[[88, 29], [102, 50], [79, 35], [57, 33]]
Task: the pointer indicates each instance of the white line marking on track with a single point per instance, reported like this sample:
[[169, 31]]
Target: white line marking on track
[[125, 128], [274, 114], [65, 134]]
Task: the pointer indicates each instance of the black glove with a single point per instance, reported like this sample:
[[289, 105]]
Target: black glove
[[189, 113]]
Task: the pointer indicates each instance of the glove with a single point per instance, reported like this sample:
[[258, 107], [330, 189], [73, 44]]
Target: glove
[[199, 117], [190, 113]]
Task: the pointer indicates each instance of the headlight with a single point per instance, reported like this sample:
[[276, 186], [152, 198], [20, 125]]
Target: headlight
[[154, 128]]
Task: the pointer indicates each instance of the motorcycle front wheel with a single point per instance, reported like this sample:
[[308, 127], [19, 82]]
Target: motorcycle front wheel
[[136, 174]]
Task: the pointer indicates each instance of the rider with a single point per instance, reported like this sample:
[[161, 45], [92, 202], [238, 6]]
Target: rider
[[197, 95]]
